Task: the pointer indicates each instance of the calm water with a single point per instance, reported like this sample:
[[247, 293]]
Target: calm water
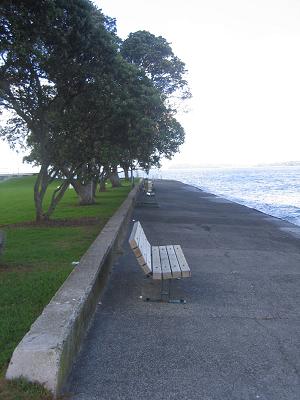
[[273, 190]]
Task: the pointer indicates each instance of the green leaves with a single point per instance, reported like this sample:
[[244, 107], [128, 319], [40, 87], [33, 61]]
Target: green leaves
[[154, 55]]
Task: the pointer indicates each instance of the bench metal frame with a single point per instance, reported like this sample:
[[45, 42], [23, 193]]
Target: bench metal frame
[[165, 294]]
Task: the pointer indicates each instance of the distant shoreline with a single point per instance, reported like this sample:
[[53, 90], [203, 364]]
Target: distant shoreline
[[204, 166]]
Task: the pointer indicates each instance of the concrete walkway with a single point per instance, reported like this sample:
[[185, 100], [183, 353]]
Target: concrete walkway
[[238, 336]]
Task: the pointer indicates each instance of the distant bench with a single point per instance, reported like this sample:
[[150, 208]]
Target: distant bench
[[148, 187], [160, 262]]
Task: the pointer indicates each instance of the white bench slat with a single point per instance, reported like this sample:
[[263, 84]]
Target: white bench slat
[[185, 269], [135, 234], [148, 255], [174, 264], [165, 264], [142, 262], [145, 249], [156, 265], [135, 239]]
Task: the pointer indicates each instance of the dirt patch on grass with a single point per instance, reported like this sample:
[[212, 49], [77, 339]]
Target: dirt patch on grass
[[7, 268], [16, 268], [54, 223]]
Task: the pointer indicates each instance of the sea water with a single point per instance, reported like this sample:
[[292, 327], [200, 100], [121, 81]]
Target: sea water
[[272, 190]]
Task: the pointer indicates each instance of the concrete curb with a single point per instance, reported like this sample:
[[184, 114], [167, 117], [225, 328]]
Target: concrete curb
[[46, 353]]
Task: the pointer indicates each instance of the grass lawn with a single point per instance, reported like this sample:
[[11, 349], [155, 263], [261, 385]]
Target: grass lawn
[[37, 260]]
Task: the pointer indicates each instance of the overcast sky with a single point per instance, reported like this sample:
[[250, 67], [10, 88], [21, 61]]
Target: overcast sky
[[244, 72]]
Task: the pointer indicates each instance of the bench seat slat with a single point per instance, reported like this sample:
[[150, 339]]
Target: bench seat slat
[[165, 263], [174, 264], [156, 265], [185, 269]]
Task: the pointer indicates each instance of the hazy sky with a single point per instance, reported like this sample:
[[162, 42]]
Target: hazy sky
[[244, 72]]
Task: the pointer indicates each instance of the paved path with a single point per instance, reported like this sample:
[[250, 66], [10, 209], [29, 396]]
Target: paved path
[[238, 336]]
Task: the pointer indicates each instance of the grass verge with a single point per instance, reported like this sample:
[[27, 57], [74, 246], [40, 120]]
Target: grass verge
[[36, 261]]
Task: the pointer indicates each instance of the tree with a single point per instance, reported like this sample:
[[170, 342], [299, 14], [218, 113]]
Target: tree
[[153, 55], [51, 52], [144, 129]]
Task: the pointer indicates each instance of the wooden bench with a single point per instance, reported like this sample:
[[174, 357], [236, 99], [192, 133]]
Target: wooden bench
[[160, 262], [148, 187]]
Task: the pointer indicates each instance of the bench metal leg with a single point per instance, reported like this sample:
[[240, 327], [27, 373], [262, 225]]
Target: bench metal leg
[[165, 292]]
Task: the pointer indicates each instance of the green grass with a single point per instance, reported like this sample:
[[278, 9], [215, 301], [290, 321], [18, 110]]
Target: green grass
[[16, 198], [20, 389], [37, 260]]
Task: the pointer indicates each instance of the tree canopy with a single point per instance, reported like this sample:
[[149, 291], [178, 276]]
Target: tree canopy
[[154, 55]]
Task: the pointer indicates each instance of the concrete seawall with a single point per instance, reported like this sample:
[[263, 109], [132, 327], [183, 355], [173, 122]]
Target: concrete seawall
[[46, 353]]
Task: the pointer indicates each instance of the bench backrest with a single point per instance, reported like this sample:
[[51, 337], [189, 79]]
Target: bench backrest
[[141, 247]]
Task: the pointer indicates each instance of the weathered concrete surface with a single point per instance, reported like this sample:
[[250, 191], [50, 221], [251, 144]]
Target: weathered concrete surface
[[237, 338], [47, 351]]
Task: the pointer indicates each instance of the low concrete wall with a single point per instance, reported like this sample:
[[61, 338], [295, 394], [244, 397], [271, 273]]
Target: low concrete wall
[[46, 353]]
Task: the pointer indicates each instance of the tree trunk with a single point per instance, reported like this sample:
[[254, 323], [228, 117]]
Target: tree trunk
[[126, 173], [103, 179], [40, 188], [102, 185], [43, 180], [56, 197], [126, 167], [131, 177], [85, 192], [114, 177], [94, 187]]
